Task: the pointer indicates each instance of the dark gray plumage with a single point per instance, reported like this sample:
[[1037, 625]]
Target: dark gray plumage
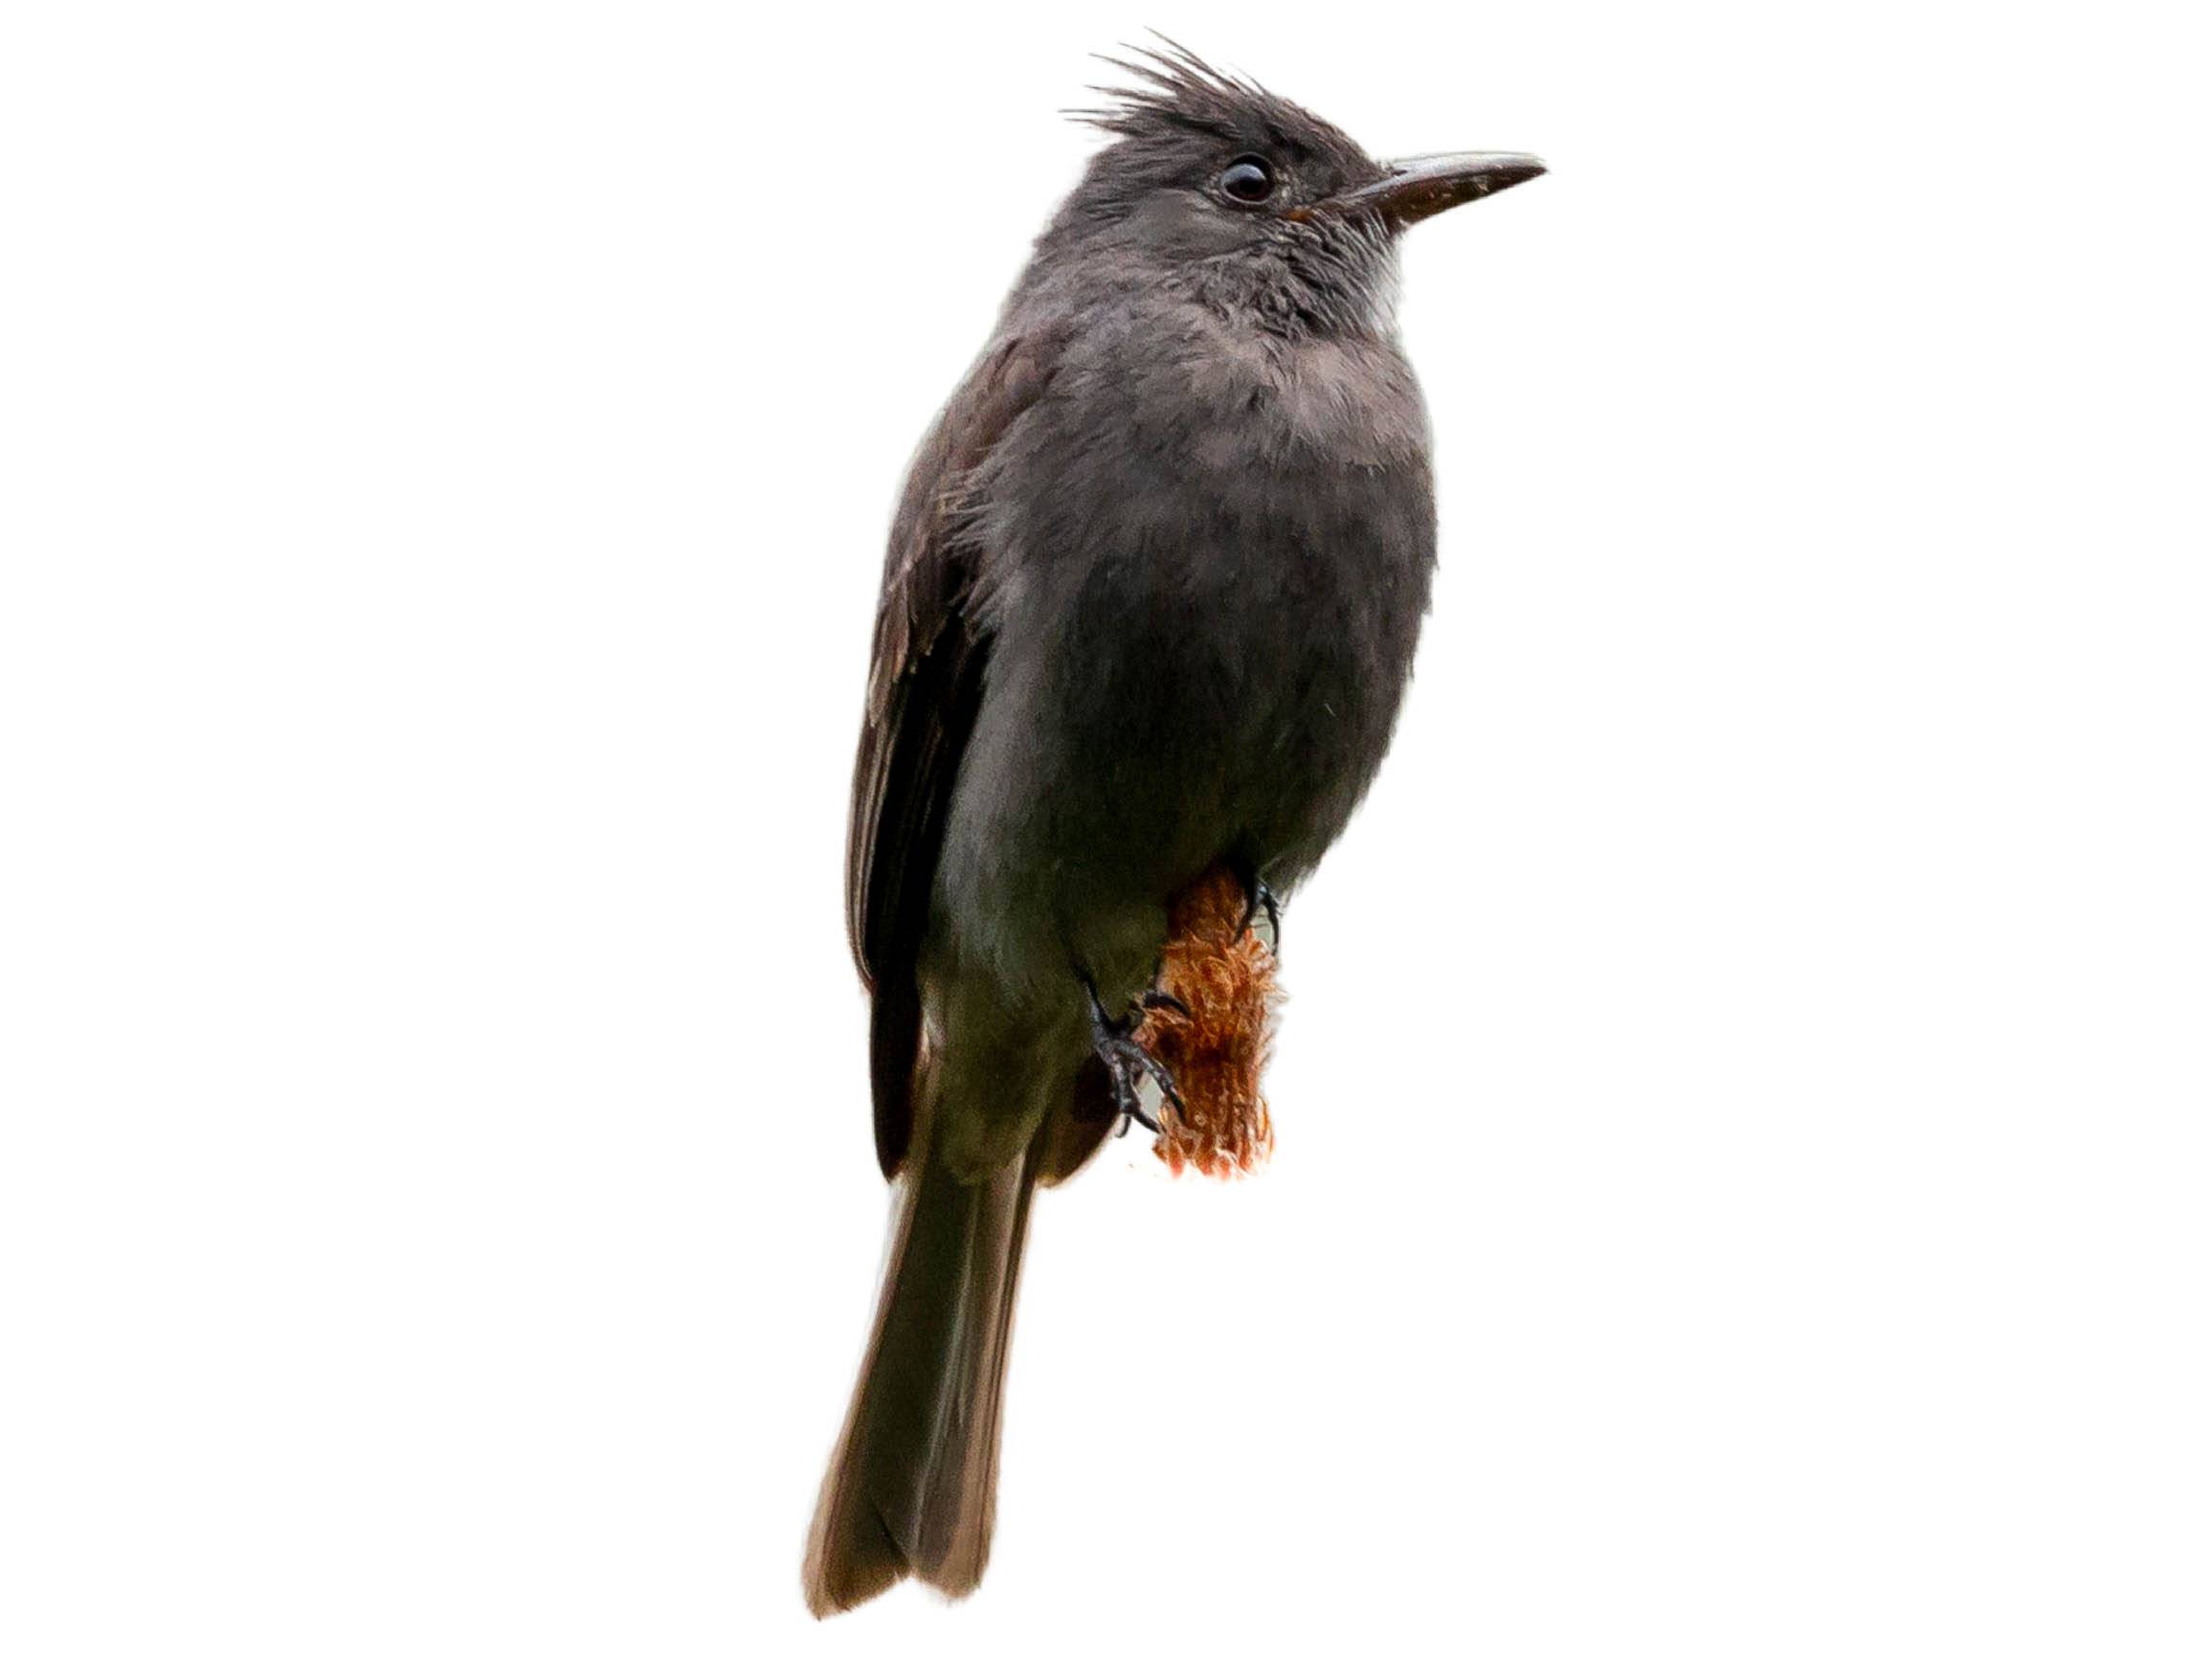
[[1150, 603]]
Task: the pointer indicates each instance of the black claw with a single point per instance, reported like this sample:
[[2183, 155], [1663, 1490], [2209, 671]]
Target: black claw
[[1262, 898], [1164, 999], [1126, 1060], [1165, 1078]]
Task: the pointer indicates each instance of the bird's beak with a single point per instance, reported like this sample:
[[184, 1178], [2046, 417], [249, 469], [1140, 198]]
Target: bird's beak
[[1422, 186]]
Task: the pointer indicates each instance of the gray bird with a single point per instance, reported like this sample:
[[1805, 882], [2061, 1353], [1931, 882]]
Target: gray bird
[[1149, 607]]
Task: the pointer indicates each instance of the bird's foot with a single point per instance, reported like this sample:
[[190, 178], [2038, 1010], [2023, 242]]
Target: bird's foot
[[1127, 1062], [1260, 898]]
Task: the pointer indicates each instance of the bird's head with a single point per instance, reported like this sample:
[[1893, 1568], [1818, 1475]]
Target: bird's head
[[1259, 206]]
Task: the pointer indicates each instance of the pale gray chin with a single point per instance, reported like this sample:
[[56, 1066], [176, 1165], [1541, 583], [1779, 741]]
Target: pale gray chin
[[1382, 294]]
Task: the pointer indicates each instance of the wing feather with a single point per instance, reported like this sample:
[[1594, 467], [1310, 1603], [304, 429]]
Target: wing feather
[[925, 685]]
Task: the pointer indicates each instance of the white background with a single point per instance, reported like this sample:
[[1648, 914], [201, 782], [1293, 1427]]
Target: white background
[[1743, 1107]]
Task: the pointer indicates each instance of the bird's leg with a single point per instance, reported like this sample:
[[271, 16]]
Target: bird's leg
[[1128, 1061], [1259, 896]]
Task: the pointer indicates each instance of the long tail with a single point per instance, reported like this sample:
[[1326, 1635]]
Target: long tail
[[913, 1483]]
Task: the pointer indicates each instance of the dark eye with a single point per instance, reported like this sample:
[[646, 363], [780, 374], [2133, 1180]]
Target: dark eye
[[1247, 179]]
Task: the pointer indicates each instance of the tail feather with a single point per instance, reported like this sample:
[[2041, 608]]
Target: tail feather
[[912, 1485]]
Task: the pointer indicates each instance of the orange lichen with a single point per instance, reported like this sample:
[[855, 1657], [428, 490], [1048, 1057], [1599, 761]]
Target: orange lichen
[[1223, 973]]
